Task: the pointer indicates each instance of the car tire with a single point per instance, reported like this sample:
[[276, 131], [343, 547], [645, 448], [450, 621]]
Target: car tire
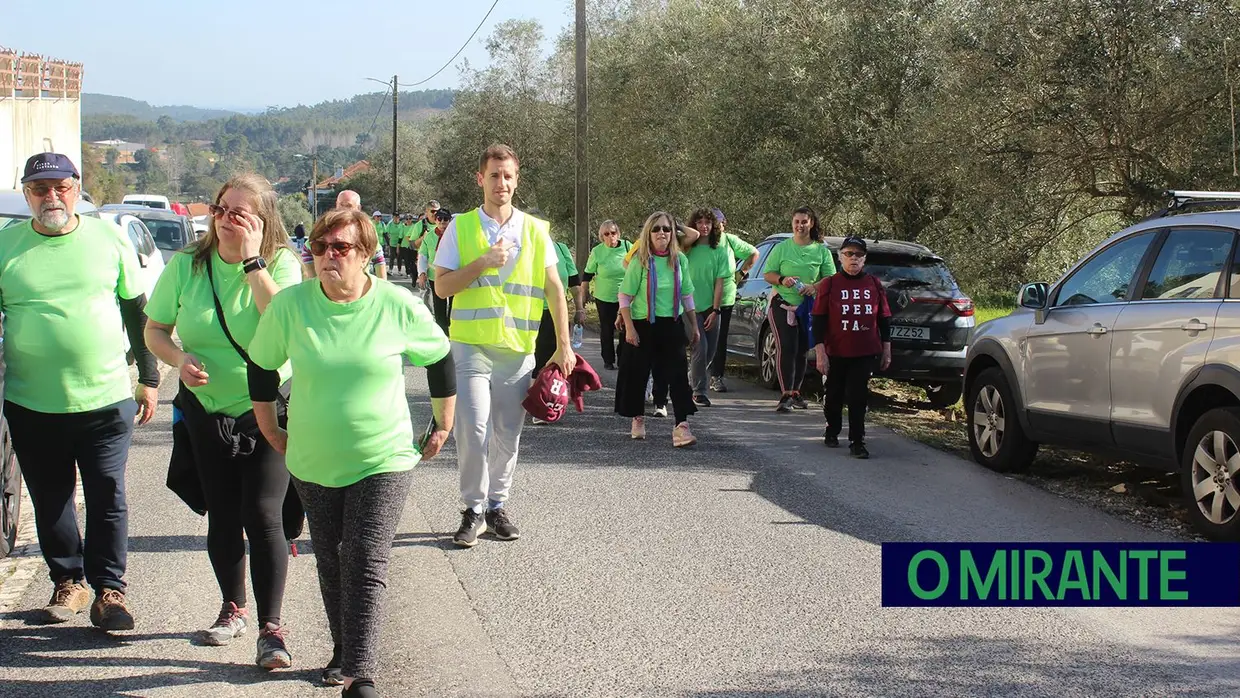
[[10, 492], [768, 359], [996, 438], [943, 395], [1213, 499]]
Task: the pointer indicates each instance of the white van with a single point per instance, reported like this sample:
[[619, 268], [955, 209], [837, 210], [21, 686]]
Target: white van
[[148, 200]]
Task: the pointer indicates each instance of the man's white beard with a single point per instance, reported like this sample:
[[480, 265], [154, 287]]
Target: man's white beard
[[55, 220]]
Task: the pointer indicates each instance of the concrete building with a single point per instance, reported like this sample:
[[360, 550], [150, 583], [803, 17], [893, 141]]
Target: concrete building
[[40, 111]]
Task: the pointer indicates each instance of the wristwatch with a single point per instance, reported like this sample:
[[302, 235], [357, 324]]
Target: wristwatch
[[254, 264]]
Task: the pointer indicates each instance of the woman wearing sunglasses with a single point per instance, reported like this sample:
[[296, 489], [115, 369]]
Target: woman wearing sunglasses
[[350, 443], [656, 304], [243, 261], [605, 268]]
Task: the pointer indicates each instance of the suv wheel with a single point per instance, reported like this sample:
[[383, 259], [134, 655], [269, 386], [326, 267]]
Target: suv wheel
[[1210, 473], [943, 395], [768, 362], [10, 492], [996, 438]]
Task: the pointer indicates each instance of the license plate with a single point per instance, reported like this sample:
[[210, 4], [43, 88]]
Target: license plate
[[908, 332]]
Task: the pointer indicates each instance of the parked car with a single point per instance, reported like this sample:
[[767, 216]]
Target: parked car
[[1133, 353], [142, 242], [932, 319], [148, 200], [171, 231]]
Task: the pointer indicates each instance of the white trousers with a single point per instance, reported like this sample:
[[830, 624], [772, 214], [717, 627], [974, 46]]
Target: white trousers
[[491, 383]]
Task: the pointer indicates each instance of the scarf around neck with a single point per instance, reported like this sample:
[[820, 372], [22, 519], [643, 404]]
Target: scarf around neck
[[652, 283]]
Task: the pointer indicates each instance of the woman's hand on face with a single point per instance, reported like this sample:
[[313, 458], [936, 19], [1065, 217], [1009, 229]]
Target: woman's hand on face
[[251, 227], [193, 374], [435, 444]]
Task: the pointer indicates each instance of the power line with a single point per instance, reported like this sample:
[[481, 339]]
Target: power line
[[374, 121], [453, 58]]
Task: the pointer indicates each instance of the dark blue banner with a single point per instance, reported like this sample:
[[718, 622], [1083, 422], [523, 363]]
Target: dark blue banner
[[1061, 574]]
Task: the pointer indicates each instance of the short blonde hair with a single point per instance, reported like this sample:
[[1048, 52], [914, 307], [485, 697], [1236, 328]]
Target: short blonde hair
[[337, 218]]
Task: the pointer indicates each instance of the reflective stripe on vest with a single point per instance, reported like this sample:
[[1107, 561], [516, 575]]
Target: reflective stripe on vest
[[494, 313]]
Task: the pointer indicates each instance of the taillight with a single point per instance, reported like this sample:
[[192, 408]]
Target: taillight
[[961, 306]]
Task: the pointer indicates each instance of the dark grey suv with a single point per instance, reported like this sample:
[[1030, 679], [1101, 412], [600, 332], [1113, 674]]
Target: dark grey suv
[[931, 325]]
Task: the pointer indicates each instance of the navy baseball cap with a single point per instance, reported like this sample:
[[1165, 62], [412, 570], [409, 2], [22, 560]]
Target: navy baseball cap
[[50, 166], [853, 241]]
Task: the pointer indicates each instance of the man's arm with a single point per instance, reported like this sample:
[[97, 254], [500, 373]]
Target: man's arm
[[147, 391], [449, 282], [564, 356]]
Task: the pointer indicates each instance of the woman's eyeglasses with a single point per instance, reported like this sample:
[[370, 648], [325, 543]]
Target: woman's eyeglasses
[[218, 211], [661, 229], [318, 248]]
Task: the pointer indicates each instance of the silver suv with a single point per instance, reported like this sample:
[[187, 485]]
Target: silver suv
[[1134, 353]]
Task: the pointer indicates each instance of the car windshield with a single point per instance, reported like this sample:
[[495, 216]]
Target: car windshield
[[899, 271], [168, 234]]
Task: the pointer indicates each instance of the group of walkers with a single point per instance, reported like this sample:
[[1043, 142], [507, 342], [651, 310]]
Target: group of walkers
[[291, 383]]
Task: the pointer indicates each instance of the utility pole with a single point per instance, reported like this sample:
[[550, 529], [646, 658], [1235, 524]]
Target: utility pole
[[314, 186], [395, 85], [582, 213]]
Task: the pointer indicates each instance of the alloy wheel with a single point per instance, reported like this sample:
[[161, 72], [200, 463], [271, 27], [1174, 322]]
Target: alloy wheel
[[1216, 465], [989, 421], [770, 357]]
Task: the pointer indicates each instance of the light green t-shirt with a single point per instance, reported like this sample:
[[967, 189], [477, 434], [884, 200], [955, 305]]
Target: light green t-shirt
[[738, 249], [64, 342], [707, 265], [182, 297], [349, 417], [415, 231], [634, 284], [607, 266], [429, 244], [809, 263], [564, 266]]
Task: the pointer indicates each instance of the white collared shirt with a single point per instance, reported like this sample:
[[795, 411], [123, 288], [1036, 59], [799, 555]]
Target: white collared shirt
[[448, 255]]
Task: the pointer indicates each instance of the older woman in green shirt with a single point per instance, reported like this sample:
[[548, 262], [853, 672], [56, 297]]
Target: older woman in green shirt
[[605, 269], [350, 444]]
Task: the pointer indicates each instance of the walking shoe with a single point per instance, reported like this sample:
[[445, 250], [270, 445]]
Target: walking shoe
[[701, 400], [501, 524], [68, 599], [272, 652], [785, 404], [660, 411], [681, 436], [717, 385], [609, 367], [536, 421], [799, 402], [361, 688], [109, 611], [830, 441], [638, 431], [230, 624], [472, 525], [857, 450], [332, 676]]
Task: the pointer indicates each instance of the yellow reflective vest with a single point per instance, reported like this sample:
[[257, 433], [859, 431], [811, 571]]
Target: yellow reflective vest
[[493, 314]]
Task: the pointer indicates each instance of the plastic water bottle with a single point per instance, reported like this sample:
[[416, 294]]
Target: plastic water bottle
[[799, 286], [579, 333]]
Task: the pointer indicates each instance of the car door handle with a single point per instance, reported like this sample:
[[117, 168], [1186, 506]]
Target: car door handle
[[1096, 330], [1194, 325]]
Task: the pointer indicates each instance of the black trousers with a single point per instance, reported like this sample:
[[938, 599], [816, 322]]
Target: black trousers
[[49, 448], [607, 314], [791, 345], [660, 345], [439, 307], [409, 259], [721, 352], [393, 257], [245, 500], [848, 376], [544, 343]]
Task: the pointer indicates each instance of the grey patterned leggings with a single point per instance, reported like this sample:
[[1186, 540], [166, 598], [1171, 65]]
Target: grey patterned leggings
[[351, 529]]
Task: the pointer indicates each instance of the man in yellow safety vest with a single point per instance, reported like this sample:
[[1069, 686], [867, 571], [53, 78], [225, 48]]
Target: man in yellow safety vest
[[498, 264]]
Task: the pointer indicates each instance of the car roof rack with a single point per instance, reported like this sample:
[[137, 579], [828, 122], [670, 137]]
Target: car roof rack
[[1182, 200]]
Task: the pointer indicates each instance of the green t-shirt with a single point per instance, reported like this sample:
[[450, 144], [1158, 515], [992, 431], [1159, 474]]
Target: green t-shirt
[[809, 263], [607, 266], [64, 342], [634, 284], [415, 231], [429, 244], [738, 249], [348, 417], [707, 265], [182, 297], [564, 265]]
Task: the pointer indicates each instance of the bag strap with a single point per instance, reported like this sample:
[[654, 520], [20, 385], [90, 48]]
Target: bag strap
[[219, 313]]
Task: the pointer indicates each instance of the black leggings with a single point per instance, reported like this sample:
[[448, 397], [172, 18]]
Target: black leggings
[[244, 494], [721, 352], [663, 345], [439, 306], [791, 346], [607, 313]]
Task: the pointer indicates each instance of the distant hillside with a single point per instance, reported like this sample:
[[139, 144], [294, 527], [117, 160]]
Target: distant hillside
[[97, 104]]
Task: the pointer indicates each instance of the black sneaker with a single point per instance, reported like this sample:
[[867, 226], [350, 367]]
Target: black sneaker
[[857, 450], [499, 523], [701, 400], [332, 675], [831, 441], [472, 526], [785, 404], [799, 402], [361, 688]]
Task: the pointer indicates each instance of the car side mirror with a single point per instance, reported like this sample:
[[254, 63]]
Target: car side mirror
[[1035, 297]]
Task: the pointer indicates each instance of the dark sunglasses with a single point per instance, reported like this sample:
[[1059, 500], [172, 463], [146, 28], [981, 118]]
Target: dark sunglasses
[[661, 229], [318, 248], [218, 211]]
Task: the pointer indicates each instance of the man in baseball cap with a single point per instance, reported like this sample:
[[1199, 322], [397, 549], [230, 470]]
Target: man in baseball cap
[[68, 397]]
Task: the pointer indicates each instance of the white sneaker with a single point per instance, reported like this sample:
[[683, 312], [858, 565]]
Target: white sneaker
[[660, 411], [230, 625]]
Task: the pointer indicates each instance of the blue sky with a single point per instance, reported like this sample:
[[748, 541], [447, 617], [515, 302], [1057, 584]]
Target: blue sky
[[258, 53]]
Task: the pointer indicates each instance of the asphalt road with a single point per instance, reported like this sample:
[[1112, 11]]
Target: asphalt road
[[746, 566]]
